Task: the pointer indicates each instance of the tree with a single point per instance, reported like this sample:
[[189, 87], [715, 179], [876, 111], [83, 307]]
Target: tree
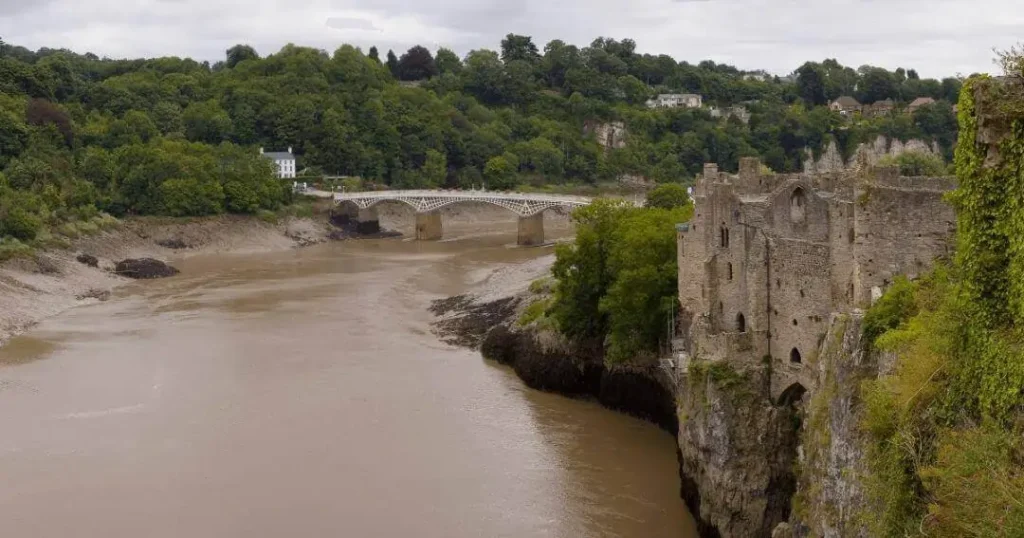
[[519, 47], [668, 196], [239, 54], [500, 172], [41, 112], [374, 54], [877, 84], [447, 62], [434, 169], [644, 281], [416, 64], [206, 122], [810, 84], [392, 63], [581, 269]]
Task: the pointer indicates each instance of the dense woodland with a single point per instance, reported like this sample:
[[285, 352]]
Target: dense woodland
[[179, 137]]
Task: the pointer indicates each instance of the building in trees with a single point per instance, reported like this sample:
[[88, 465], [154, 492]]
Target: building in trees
[[918, 103], [845, 105], [879, 108], [284, 160], [676, 100]]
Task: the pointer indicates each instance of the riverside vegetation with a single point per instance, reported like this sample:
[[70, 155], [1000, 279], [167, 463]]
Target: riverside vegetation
[[81, 135]]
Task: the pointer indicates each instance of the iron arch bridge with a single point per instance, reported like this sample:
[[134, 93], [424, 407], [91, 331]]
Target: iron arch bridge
[[425, 201], [361, 207]]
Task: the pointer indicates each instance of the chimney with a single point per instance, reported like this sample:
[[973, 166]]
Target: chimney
[[289, 149], [261, 151]]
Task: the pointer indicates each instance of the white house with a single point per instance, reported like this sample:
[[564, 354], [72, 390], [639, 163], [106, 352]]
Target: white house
[[285, 161], [676, 100]]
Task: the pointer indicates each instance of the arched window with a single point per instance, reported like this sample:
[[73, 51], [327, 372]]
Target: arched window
[[730, 271], [724, 236], [797, 206], [741, 323], [794, 356]]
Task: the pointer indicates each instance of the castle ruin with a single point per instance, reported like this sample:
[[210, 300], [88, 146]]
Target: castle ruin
[[767, 258]]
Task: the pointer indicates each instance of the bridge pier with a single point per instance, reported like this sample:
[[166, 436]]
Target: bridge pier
[[367, 221], [531, 230], [428, 226]]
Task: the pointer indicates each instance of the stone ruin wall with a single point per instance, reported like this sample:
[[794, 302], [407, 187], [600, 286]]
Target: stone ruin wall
[[859, 231]]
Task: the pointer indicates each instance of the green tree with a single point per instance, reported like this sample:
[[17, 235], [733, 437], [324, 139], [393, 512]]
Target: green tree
[[519, 47], [435, 169], [416, 64], [668, 196], [392, 63], [447, 62], [239, 54], [643, 292], [500, 172], [206, 122], [190, 197]]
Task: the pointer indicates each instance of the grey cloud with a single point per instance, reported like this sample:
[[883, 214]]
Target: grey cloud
[[937, 37], [351, 23]]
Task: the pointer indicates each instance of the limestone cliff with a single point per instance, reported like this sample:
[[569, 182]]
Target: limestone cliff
[[866, 154], [830, 499], [737, 450]]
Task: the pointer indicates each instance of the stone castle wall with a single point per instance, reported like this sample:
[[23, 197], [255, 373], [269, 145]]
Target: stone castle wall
[[768, 258]]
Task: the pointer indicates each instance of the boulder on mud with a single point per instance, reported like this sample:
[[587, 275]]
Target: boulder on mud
[[142, 268], [88, 259]]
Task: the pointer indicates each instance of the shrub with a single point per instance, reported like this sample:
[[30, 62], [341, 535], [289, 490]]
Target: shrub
[[896, 306], [20, 224]]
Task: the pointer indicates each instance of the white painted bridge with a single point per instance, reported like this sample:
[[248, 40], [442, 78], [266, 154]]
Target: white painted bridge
[[423, 201], [530, 208]]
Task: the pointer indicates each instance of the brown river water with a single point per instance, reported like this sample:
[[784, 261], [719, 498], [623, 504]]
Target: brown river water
[[301, 393]]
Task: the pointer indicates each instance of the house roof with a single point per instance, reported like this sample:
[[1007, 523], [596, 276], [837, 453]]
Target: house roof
[[921, 101], [847, 102], [279, 155]]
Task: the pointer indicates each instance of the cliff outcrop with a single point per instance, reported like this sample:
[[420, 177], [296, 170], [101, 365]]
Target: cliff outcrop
[[865, 155]]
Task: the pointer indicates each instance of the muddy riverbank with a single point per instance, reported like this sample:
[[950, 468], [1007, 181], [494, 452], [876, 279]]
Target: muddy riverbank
[[49, 282]]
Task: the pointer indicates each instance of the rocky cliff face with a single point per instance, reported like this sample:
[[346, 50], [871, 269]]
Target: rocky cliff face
[[737, 450], [866, 154], [830, 497]]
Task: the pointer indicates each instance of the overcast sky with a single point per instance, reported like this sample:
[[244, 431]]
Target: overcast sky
[[937, 37]]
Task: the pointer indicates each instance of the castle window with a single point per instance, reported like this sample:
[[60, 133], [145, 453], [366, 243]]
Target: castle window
[[741, 323], [797, 206], [794, 356], [724, 235], [730, 271]]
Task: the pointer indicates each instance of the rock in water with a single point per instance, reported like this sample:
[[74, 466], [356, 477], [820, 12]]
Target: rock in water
[[144, 268]]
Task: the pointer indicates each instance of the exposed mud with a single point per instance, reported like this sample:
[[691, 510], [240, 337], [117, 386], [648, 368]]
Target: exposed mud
[[49, 282]]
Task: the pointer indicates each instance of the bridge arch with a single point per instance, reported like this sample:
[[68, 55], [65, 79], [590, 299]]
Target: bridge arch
[[427, 204]]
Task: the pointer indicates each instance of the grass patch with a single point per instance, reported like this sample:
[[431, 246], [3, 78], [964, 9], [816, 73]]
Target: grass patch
[[12, 248], [534, 312]]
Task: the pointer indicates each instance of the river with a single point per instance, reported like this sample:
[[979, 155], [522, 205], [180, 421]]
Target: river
[[301, 393]]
